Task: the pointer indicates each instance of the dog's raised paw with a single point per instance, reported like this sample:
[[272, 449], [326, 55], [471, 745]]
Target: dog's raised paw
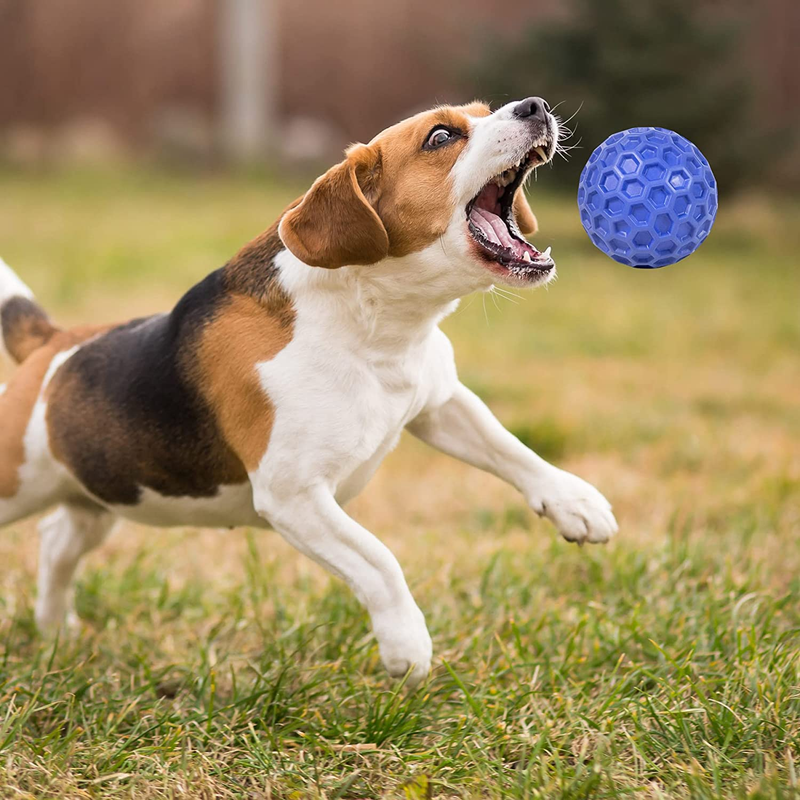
[[576, 508]]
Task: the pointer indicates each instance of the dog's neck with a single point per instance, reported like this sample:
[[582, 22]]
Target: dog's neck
[[391, 305], [387, 306]]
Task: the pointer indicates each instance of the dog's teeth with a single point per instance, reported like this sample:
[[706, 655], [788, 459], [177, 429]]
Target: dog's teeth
[[541, 153], [546, 253], [507, 177], [526, 256]]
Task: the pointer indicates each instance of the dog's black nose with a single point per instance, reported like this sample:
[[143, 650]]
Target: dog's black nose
[[535, 107]]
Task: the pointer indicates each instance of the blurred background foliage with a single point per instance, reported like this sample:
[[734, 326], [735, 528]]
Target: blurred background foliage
[[616, 64], [204, 83]]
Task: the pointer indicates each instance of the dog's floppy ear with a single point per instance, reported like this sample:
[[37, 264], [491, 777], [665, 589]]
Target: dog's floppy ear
[[526, 220], [334, 225]]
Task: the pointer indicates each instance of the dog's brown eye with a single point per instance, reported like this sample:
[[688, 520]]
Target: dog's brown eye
[[437, 137]]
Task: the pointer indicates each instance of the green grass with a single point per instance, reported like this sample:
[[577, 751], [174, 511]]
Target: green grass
[[664, 665]]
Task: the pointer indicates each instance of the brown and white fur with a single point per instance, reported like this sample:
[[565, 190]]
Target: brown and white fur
[[271, 393]]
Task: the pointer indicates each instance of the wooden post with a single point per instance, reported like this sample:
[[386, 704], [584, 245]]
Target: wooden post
[[248, 76]]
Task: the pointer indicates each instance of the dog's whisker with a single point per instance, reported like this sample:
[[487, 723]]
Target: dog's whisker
[[462, 308], [565, 133], [496, 293], [565, 150], [577, 111], [507, 292]]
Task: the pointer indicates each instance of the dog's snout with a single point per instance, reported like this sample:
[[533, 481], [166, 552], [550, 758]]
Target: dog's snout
[[533, 108]]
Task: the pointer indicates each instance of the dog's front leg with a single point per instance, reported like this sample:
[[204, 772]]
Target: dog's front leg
[[312, 521], [465, 428]]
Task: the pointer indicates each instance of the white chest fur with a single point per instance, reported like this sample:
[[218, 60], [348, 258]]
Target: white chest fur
[[357, 370], [338, 412]]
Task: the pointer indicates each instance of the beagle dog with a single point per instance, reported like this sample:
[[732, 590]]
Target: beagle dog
[[273, 390]]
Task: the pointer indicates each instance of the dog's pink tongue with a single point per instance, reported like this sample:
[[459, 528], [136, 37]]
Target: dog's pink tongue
[[493, 228], [485, 215]]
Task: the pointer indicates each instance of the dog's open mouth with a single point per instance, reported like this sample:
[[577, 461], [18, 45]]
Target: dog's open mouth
[[490, 216]]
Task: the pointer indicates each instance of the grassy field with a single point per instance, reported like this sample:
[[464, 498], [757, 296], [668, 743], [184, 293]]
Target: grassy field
[[224, 665]]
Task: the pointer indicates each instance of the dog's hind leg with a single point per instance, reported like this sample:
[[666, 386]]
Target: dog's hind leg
[[66, 535], [37, 491], [31, 499]]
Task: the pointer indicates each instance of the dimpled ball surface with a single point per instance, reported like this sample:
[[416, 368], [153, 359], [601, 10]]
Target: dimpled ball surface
[[647, 197]]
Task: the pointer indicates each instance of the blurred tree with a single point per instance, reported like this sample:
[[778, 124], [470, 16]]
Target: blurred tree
[[626, 63]]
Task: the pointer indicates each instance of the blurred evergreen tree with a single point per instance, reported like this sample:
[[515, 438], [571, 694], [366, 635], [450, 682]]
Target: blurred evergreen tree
[[626, 63]]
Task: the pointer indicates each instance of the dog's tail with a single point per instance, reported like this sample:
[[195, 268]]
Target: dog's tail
[[24, 324]]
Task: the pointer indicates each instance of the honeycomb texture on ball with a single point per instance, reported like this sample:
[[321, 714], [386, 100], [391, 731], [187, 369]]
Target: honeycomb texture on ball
[[647, 197]]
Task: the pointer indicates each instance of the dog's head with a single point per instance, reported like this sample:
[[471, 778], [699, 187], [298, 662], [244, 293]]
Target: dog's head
[[443, 187]]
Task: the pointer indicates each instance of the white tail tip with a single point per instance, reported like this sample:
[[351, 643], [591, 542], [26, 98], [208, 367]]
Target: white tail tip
[[11, 285]]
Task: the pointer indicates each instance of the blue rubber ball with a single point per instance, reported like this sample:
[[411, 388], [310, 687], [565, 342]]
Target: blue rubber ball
[[647, 197]]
